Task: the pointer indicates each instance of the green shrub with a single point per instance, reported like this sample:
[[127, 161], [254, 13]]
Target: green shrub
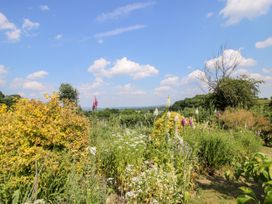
[[39, 145], [215, 152], [217, 148]]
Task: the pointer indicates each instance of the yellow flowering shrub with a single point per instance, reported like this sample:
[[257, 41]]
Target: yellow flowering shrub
[[167, 124], [35, 136]]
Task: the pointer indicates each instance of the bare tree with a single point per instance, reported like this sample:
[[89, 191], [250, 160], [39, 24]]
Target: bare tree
[[222, 66]]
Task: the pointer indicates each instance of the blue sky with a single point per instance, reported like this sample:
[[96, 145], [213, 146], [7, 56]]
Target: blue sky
[[129, 53]]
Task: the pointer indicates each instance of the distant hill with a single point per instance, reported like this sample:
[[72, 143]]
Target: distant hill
[[196, 101]]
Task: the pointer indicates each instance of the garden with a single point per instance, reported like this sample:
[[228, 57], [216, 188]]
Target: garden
[[53, 152]]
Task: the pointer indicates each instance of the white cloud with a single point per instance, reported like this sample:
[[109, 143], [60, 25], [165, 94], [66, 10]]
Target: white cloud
[[12, 32], [90, 86], [44, 8], [100, 68], [119, 31], [265, 43], [170, 80], [161, 90], [123, 11], [237, 10], [192, 83], [14, 35], [58, 36], [3, 71], [30, 82], [267, 70], [33, 85], [210, 14], [266, 78], [29, 25], [128, 89], [197, 75], [5, 24], [168, 84], [230, 57], [37, 75]]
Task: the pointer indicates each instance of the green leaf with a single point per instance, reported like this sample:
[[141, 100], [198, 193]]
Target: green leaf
[[270, 171], [268, 198], [247, 191], [244, 199], [16, 197]]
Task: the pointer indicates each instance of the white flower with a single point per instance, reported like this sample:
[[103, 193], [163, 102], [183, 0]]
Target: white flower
[[130, 194], [156, 112], [154, 201], [135, 179], [129, 168], [196, 111], [39, 201], [92, 150], [168, 114]]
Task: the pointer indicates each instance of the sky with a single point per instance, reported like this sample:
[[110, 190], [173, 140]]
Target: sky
[[130, 53]]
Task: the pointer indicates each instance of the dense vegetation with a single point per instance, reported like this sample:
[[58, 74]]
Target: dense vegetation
[[54, 152]]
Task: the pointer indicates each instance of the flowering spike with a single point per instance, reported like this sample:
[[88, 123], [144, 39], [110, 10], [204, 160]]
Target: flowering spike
[[156, 112], [168, 102], [176, 118], [95, 103], [196, 111], [191, 122], [183, 122]]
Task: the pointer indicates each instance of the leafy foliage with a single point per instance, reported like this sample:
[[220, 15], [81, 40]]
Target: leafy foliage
[[230, 92], [9, 100], [259, 168], [67, 92], [36, 138], [196, 101]]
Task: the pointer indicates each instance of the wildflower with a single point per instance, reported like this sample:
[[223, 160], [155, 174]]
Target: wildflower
[[92, 150], [110, 179], [196, 111], [176, 118], [154, 201], [168, 102], [180, 140], [218, 114], [39, 201], [168, 114], [95, 103], [135, 179], [183, 122], [129, 168], [191, 122], [156, 112], [130, 194]]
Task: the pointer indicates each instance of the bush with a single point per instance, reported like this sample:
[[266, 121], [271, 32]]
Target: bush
[[215, 152], [217, 148], [243, 119], [39, 145]]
